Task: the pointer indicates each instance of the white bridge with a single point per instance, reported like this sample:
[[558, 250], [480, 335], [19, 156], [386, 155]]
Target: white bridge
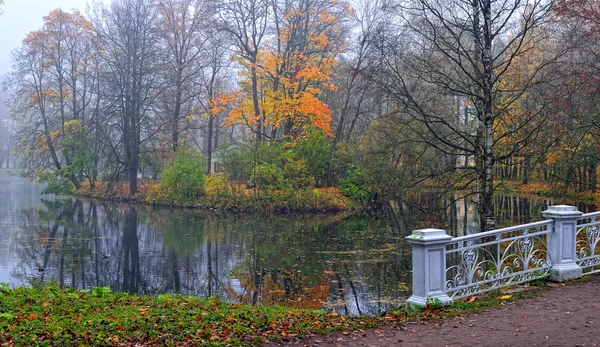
[[562, 247]]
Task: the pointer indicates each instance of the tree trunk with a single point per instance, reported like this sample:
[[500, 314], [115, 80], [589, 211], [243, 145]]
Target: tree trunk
[[526, 165], [209, 147], [176, 111], [593, 177], [257, 115], [486, 203]]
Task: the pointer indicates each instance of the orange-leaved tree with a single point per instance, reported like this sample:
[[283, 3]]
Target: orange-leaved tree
[[293, 70], [50, 86]]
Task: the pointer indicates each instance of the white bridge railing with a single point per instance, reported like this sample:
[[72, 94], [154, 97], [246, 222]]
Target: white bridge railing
[[562, 247], [588, 235]]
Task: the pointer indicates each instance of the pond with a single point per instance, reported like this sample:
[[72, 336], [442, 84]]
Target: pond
[[349, 263]]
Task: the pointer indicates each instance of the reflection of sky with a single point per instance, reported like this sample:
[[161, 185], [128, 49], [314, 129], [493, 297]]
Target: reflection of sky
[[172, 247], [15, 196], [360, 262]]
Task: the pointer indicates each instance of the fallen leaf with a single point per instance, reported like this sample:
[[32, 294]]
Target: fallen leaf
[[505, 297]]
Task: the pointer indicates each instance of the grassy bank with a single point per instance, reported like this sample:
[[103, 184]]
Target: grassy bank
[[228, 198], [45, 316]]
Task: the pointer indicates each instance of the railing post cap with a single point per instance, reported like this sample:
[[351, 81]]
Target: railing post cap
[[561, 211], [428, 235]]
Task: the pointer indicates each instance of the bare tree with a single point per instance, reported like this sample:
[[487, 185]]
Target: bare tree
[[449, 60], [131, 52], [5, 126], [184, 28], [355, 85], [213, 83]]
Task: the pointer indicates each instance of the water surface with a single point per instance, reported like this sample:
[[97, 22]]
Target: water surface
[[350, 263]]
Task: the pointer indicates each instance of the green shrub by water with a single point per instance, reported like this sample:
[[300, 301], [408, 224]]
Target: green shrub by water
[[182, 181]]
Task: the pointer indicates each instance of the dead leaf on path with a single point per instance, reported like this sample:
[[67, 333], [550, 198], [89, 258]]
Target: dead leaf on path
[[505, 297]]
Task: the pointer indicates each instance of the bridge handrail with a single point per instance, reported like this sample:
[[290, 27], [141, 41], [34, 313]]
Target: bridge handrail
[[564, 246], [503, 230]]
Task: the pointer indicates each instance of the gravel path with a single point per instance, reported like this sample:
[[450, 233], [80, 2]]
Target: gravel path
[[565, 315]]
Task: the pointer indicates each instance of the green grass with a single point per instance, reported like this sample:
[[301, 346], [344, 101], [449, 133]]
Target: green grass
[[45, 316], [49, 316]]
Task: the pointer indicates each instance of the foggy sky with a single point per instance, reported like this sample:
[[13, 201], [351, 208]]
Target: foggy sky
[[23, 16]]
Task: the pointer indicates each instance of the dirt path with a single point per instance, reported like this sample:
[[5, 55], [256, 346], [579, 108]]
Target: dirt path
[[566, 315]]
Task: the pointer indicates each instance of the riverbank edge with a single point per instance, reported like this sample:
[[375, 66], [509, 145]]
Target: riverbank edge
[[328, 200], [549, 190], [47, 315]]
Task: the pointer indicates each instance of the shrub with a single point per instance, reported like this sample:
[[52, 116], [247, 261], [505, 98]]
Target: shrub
[[314, 151], [183, 179], [297, 175], [236, 164], [269, 176], [216, 185], [356, 185]]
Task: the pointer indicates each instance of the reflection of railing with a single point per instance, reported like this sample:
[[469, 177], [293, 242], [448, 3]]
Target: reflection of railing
[[587, 245], [447, 268]]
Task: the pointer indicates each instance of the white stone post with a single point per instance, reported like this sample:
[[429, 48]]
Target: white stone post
[[428, 266], [562, 242]]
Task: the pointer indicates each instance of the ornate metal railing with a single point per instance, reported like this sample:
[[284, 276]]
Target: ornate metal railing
[[490, 260], [447, 268], [587, 242]]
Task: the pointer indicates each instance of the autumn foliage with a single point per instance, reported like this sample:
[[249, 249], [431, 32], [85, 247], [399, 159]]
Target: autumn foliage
[[292, 74]]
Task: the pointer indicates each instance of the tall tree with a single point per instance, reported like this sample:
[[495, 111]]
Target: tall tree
[[460, 50], [246, 22], [355, 85], [184, 28], [131, 51], [294, 69], [42, 94], [213, 84], [576, 157]]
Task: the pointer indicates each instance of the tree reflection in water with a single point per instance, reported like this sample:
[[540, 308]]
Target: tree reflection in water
[[346, 263]]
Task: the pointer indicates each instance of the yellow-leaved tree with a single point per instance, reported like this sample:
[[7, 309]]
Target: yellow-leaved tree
[[523, 105], [292, 71]]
